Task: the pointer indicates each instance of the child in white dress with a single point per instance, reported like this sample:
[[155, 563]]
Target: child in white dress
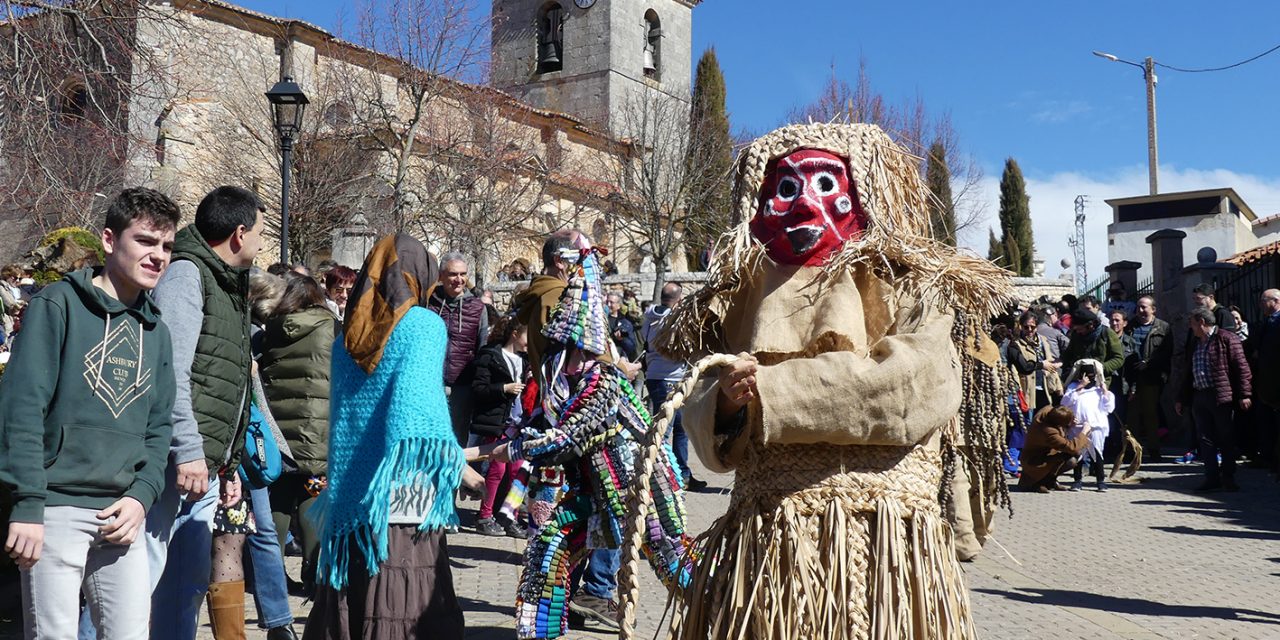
[[1092, 402]]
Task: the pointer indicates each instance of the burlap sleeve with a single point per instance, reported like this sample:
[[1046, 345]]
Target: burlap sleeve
[[904, 389], [699, 421]]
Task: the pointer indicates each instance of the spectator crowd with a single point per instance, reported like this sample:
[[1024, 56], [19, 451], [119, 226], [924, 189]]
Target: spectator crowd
[[177, 421], [1099, 382]]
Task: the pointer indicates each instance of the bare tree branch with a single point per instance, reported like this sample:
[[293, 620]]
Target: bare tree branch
[[69, 73], [911, 125]]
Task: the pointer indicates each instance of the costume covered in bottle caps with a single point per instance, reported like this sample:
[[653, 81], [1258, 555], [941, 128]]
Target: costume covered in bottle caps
[[589, 424]]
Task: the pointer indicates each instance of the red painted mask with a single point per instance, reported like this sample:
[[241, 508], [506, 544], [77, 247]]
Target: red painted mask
[[808, 208]]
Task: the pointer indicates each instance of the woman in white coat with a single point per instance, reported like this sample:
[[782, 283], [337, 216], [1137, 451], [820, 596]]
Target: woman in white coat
[[1092, 402]]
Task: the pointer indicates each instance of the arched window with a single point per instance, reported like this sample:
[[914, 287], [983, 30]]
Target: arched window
[[74, 104], [652, 45], [337, 115], [550, 38]]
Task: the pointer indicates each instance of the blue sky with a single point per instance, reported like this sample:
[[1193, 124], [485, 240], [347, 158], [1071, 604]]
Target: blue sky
[[1018, 80]]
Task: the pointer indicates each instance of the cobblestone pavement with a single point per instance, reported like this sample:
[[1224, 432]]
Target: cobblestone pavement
[[1149, 560]]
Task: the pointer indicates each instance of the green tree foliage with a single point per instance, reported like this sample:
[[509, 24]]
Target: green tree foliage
[[942, 209], [995, 250], [1015, 219], [710, 159]]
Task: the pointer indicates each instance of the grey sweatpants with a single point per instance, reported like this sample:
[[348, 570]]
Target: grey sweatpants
[[114, 579]]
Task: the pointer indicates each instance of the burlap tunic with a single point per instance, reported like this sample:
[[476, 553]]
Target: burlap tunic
[[834, 528]]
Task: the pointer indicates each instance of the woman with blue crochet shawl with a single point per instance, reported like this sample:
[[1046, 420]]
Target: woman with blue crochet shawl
[[394, 464], [591, 424]]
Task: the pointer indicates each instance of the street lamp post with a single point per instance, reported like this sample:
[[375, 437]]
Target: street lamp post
[[1149, 74], [288, 103]]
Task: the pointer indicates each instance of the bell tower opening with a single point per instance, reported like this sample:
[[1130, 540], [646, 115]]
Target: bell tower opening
[[550, 38]]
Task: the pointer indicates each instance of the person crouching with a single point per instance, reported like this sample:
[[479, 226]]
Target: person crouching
[[1048, 451]]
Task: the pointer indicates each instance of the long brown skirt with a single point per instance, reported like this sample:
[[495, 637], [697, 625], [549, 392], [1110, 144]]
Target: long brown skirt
[[411, 597]]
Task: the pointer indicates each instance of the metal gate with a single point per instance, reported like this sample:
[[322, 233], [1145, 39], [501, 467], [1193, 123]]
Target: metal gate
[[1245, 286]]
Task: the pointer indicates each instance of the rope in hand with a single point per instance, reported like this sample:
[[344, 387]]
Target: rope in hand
[[638, 497]]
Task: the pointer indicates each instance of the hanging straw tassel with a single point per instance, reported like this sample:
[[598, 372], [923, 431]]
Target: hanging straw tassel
[[891, 612], [638, 495]]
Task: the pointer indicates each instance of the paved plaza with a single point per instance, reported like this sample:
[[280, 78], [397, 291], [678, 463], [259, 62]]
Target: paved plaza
[[1151, 560]]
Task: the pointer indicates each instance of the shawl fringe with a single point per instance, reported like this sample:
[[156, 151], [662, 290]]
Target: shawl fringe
[[432, 465]]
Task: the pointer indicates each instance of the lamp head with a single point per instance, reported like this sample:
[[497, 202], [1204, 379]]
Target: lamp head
[[288, 103]]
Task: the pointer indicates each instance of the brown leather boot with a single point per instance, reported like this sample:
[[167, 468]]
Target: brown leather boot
[[226, 610]]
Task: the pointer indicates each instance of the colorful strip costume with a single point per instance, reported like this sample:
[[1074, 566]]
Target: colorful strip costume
[[874, 390], [590, 424]]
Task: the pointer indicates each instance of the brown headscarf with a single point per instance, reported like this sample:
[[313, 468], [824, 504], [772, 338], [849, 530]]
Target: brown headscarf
[[397, 276]]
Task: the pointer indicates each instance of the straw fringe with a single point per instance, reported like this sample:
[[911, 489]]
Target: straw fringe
[[782, 574]]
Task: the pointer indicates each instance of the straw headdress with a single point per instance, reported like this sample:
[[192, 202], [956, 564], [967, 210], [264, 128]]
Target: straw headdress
[[896, 246]]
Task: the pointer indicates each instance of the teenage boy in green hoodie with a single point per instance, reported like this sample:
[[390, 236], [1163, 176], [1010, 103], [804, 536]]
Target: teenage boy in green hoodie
[[85, 426]]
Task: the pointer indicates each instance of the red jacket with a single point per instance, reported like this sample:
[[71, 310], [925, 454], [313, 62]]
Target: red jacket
[[1228, 369]]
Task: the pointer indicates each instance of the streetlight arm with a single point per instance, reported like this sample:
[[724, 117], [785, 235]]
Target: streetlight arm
[[1108, 56]]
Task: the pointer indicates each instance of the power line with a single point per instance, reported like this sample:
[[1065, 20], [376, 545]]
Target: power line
[[1230, 66]]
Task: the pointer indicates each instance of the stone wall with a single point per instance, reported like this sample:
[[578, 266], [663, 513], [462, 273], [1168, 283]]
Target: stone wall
[[217, 129]]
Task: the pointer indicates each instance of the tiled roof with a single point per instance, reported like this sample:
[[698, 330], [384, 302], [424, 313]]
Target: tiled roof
[[1267, 220], [1255, 254]]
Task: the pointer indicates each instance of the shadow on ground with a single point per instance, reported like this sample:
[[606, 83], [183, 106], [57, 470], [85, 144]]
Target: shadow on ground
[[490, 632], [470, 605], [459, 552], [1252, 508], [1132, 606]]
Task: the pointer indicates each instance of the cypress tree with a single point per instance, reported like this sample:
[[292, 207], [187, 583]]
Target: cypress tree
[[1012, 255], [995, 250], [710, 157], [1015, 219], [942, 210]]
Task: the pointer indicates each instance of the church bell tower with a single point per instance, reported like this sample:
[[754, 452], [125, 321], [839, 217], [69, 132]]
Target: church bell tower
[[592, 58]]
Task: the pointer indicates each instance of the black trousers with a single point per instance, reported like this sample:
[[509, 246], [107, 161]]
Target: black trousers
[[1216, 426], [1096, 466]]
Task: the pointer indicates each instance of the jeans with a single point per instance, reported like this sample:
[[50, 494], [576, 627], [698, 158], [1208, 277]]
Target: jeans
[[498, 475], [658, 391], [599, 577], [179, 541], [265, 565], [75, 560], [179, 545]]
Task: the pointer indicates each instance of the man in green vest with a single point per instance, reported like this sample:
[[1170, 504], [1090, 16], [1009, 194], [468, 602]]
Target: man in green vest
[[203, 301]]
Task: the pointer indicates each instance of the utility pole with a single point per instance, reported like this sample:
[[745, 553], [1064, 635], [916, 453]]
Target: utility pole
[[1077, 244], [1153, 163], [1149, 75]]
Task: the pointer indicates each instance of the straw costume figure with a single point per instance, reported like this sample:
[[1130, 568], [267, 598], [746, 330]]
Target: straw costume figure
[[589, 424], [863, 387]]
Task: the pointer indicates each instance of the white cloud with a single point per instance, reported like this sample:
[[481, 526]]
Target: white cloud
[[1057, 112], [1053, 205]]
